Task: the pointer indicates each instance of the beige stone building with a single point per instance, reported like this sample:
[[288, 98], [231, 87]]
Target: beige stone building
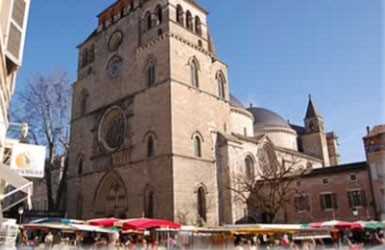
[[13, 25], [155, 131]]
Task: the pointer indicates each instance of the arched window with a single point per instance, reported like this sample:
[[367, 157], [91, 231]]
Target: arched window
[[85, 58], [221, 86], [148, 17], [150, 146], [198, 25], [189, 20], [249, 167], [159, 14], [160, 32], [84, 102], [194, 74], [197, 147], [179, 14], [151, 74], [201, 201], [148, 202]]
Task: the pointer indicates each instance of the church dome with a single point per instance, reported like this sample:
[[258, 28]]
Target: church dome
[[235, 102], [267, 117]]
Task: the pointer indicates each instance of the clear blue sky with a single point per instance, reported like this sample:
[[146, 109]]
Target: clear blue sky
[[278, 52]]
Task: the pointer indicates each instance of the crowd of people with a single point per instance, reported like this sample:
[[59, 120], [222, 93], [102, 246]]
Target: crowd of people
[[55, 239]]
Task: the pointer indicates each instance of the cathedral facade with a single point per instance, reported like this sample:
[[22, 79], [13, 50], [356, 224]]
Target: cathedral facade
[[155, 131]]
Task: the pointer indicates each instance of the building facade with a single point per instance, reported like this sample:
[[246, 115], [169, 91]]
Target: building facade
[[155, 131], [13, 25], [340, 192], [374, 143]]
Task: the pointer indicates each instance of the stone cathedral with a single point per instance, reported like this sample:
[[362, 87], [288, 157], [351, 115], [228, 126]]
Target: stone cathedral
[[155, 131]]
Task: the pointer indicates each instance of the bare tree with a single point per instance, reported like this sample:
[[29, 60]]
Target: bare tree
[[44, 103], [272, 188]]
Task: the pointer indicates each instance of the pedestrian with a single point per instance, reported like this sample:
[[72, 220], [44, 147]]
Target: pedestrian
[[48, 240]]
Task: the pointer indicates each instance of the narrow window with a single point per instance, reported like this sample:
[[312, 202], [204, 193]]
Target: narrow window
[[249, 167], [189, 20], [221, 86], [202, 204], [80, 166], [194, 74], [150, 146], [159, 14], [179, 14], [197, 147], [198, 26], [328, 201], [160, 32], [148, 21], [148, 202], [151, 74], [200, 43]]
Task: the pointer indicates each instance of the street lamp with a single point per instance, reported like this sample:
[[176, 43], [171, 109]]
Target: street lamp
[[20, 211]]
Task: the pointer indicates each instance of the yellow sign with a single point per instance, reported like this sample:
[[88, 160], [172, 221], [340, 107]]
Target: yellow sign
[[28, 160]]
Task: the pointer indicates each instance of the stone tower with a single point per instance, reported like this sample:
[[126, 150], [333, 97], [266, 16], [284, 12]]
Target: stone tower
[[374, 143], [314, 140], [146, 108]]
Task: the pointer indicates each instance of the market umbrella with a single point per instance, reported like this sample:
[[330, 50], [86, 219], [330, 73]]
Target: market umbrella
[[144, 223], [369, 224], [103, 222], [334, 224], [56, 220]]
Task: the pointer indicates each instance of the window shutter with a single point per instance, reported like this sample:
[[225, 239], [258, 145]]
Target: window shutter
[[322, 202], [363, 197], [350, 199], [334, 198]]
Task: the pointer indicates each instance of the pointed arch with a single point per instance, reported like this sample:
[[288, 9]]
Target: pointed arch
[[148, 199], [148, 20], [221, 81], [201, 192], [197, 146], [249, 167], [198, 25], [179, 15], [194, 72], [159, 14], [111, 194], [189, 20]]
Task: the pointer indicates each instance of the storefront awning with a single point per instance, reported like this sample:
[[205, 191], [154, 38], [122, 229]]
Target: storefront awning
[[19, 183]]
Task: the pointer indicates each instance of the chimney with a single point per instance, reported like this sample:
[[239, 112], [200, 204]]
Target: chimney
[[367, 130]]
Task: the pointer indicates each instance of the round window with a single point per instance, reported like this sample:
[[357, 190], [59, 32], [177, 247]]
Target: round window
[[112, 129], [115, 40], [115, 70]]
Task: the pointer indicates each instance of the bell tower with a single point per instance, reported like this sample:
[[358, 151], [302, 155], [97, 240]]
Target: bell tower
[[314, 140]]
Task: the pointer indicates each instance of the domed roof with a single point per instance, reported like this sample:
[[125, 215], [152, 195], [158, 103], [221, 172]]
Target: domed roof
[[235, 102], [267, 117]]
